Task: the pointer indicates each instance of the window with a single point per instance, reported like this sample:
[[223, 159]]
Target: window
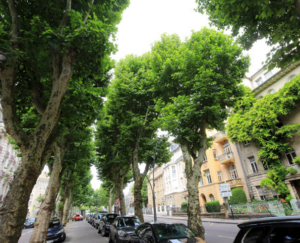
[[179, 167], [271, 91], [40, 189], [261, 193], [232, 172], [215, 154], [253, 164], [181, 180], [290, 156], [268, 74], [259, 81], [204, 158], [29, 204], [173, 172], [211, 198], [274, 193], [208, 178], [209, 134], [285, 234], [291, 77], [257, 235], [201, 180], [220, 176], [246, 143]]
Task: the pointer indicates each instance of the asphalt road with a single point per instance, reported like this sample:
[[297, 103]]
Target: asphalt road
[[214, 232], [82, 231]]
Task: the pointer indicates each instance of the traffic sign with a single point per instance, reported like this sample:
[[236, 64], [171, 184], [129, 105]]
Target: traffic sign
[[226, 194], [225, 187], [117, 202]]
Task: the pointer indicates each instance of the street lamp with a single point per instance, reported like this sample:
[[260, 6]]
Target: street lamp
[[3, 57], [152, 188]]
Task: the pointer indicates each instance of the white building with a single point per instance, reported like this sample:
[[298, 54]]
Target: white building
[[9, 161]]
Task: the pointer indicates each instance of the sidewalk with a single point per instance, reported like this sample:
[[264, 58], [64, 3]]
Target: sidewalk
[[209, 220]]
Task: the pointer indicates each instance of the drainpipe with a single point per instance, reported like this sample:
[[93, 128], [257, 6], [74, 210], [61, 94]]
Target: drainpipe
[[238, 149]]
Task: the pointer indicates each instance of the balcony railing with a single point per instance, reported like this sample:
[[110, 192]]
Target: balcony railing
[[227, 157]]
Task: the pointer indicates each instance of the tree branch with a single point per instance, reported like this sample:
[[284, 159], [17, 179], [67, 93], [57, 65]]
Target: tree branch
[[91, 2], [16, 24], [127, 170], [66, 15], [37, 99]]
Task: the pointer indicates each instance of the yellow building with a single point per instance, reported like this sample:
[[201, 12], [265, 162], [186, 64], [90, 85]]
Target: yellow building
[[221, 164]]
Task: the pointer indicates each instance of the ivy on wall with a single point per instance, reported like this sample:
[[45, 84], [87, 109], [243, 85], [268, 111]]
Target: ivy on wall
[[261, 121]]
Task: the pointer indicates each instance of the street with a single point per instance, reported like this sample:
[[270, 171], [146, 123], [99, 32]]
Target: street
[[81, 231]]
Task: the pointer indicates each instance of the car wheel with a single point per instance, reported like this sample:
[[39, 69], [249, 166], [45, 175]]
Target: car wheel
[[109, 238], [63, 238], [103, 233]]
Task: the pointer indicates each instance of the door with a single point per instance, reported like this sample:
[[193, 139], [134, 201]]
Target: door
[[297, 186]]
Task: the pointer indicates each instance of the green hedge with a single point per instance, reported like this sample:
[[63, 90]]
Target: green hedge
[[184, 205], [213, 207], [238, 196]]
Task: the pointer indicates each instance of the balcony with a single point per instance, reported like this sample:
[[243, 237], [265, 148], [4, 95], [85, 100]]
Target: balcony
[[235, 183], [226, 158], [221, 137]]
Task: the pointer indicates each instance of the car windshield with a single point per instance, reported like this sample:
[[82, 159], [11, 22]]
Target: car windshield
[[173, 231], [131, 222], [31, 219], [111, 218], [54, 224]]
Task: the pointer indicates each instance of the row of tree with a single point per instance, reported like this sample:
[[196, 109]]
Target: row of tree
[[181, 87], [52, 83]]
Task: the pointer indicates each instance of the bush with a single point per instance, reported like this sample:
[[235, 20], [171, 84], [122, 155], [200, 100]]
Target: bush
[[184, 205], [238, 196], [213, 207]]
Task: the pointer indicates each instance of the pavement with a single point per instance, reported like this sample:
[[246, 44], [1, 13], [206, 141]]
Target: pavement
[[209, 220], [82, 231]]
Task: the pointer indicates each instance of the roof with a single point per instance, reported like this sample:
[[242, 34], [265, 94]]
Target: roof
[[275, 220]]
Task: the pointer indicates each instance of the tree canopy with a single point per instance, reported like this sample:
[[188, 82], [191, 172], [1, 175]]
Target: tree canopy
[[276, 21]]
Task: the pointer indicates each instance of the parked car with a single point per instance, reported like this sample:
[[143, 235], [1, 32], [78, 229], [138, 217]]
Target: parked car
[[29, 223], [97, 218], [105, 222], [77, 217], [56, 231], [122, 228], [91, 217], [164, 232], [272, 230]]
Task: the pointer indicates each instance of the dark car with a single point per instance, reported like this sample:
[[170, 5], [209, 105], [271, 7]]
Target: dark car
[[56, 231], [270, 230], [105, 222], [122, 228], [164, 232], [97, 218], [29, 223], [90, 219]]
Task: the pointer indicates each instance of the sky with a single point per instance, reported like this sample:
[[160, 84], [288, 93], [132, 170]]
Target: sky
[[144, 21]]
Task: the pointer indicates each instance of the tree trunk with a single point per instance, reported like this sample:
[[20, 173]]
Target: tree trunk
[[110, 198], [138, 202], [193, 177], [120, 196], [46, 209], [14, 208], [66, 208]]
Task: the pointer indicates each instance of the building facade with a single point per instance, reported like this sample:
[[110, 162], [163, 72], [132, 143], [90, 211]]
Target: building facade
[[9, 161], [266, 82], [38, 191]]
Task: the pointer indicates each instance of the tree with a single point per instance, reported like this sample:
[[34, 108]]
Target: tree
[[201, 76], [47, 44], [260, 121], [131, 102], [144, 191], [277, 21]]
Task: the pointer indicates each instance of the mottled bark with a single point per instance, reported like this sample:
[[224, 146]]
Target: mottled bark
[[192, 170], [110, 198], [67, 205], [46, 209], [138, 183]]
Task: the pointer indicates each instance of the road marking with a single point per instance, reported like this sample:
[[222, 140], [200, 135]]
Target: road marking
[[225, 236], [211, 224]]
